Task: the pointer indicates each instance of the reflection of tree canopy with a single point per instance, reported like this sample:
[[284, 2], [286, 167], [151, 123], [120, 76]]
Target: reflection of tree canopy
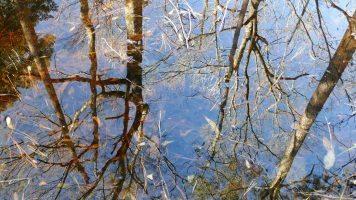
[[39, 10], [14, 53], [11, 35]]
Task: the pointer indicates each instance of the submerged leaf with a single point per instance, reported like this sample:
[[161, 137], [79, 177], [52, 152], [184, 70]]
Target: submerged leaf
[[213, 126], [191, 178], [150, 177], [327, 144], [166, 142], [72, 29], [329, 159], [15, 196], [42, 183], [247, 163], [141, 144]]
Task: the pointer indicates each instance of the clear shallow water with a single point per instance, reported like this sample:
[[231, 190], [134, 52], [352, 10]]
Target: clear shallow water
[[135, 114]]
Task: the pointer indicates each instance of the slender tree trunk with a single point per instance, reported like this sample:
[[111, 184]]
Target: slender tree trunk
[[337, 65], [233, 58], [32, 42], [90, 32], [133, 18], [228, 74]]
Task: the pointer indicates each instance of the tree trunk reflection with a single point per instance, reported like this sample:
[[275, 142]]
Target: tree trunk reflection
[[133, 95]]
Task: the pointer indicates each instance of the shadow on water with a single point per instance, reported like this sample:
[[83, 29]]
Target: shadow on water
[[85, 135]]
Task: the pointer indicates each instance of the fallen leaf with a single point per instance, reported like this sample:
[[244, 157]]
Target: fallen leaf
[[15, 196], [191, 178], [141, 144], [42, 183], [213, 126], [327, 144], [329, 159], [150, 177], [166, 142], [247, 163], [72, 29]]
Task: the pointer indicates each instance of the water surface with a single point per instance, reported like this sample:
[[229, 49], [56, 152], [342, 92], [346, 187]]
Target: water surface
[[125, 100]]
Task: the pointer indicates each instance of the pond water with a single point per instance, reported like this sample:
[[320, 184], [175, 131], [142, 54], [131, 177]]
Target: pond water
[[133, 99]]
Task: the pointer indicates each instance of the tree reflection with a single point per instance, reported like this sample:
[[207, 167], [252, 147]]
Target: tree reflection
[[15, 62], [85, 132], [61, 156]]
